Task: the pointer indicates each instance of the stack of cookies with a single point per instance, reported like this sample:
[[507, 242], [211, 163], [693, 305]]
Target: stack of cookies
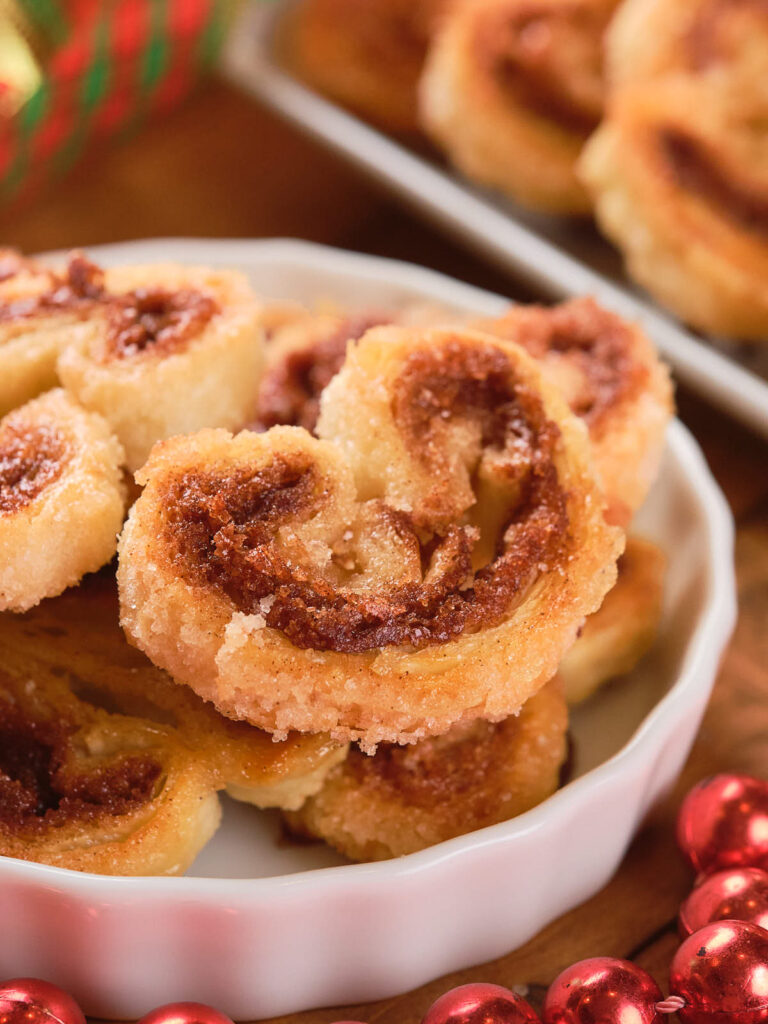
[[651, 114], [368, 559]]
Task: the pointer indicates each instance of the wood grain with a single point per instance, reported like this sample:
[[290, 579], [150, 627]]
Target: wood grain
[[223, 166]]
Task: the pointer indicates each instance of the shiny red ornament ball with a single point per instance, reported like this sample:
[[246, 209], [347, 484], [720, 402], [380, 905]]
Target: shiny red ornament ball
[[737, 895], [185, 1013], [31, 1001], [723, 823], [480, 1004], [602, 991], [721, 971]]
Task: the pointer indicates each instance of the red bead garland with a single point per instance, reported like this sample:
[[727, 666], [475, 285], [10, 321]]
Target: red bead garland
[[721, 971], [740, 894], [600, 990], [32, 1001], [719, 974], [185, 1013], [723, 823], [480, 1003]]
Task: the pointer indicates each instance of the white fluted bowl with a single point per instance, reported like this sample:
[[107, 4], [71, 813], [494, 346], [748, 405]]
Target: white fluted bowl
[[259, 928]]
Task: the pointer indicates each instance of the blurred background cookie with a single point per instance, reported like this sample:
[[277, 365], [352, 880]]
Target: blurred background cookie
[[366, 55], [511, 91]]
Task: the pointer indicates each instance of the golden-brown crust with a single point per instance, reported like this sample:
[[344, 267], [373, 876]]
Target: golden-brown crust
[[612, 378], [41, 309], [168, 349], [62, 498], [403, 799], [75, 642], [254, 603], [621, 631], [652, 38], [513, 88], [687, 199], [367, 56], [83, 789]]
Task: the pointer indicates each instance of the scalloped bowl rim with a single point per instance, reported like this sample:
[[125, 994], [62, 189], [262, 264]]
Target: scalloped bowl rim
[[708, 639]]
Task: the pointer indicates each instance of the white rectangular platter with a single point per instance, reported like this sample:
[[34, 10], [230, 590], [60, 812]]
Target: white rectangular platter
[[559, 259]]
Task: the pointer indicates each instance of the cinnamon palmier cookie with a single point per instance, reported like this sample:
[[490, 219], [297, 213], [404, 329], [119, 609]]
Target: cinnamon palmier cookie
[[512, 90], [75, 641], [83, 789], [612, 378], [168, 350], [368, 56], [40, 309], [404, 799], [652, 38], [615, 638], [686, 198], [426, 563], [62, 498]]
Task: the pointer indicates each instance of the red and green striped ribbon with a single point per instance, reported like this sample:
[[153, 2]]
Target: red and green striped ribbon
[[111, 64]]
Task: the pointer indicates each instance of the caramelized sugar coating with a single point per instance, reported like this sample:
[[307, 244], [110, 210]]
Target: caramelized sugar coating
[[404, 799], [168, 350], [612, 378], [87, 790], [513, 88], [41, 311], [76, 640], [686, 198], [350, 585], [616, 637], [62, 498], [367, 56]]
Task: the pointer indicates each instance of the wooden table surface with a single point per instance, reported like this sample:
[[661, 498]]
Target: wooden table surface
[[223, 166]]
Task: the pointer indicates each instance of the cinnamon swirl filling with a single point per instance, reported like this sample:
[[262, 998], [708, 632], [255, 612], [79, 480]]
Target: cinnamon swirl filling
[[43, 788], [291, 387], [695, 170], [32, 457], [156, 320], [593, 354], [225, 527], [144, 319], [76, 291], [525, 50]]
